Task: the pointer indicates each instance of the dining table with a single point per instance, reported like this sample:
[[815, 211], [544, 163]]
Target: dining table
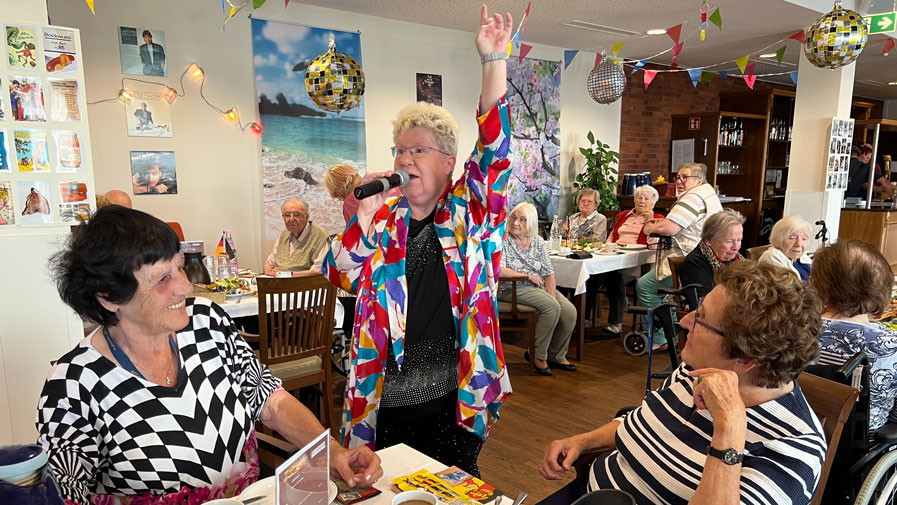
[[573, 274], [248, 305]]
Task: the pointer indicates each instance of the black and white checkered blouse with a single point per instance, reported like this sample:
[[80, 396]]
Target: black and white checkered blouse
[[109, 432]]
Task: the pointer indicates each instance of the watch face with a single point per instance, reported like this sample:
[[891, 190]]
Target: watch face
[[731, 457]]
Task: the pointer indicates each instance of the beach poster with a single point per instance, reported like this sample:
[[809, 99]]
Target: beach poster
[[300, 142], [534, 99]]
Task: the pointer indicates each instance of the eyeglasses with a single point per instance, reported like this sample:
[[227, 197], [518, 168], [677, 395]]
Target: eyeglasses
[[519, 219], [294, 215], [682, 178], [705, 324], [415, 151]]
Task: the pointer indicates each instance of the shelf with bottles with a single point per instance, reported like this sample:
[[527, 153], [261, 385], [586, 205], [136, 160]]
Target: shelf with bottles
[[780, 130], [731, 132], [728, 168]]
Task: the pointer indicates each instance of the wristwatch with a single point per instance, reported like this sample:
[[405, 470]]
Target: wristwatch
[[728, 456]]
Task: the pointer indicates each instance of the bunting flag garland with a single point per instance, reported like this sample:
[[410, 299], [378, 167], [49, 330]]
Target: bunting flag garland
[[780, 53], [637, 66], [749, 76], [616, 47], [649, 76], [888, 46], [799, 36], [677, 49], [598, 58], [674, 32], [524, 50], [224, 7], [724, 74], [233, 11], [707, 77], [716, 19], [258, 3], [515, 40], [793, 76], [569, 54], [90, 4], [695, 74], [742, 62]]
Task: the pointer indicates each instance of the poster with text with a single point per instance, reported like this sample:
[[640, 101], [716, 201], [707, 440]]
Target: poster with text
[[34, 204], [26, 97], [148, 114], [74, 206], [429, 88], [300, 142], [59, 50], [31, 151], [142, 51], [64, 100], [7, 208], [534, 99], [4, 151], [68, 151], [21, 47], [153, 173]]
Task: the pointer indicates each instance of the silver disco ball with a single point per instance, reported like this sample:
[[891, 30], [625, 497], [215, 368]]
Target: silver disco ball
[[606, 82], [836, 39]]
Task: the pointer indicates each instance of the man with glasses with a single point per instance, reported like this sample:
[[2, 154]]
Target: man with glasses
[[300, 244], [697, 200]]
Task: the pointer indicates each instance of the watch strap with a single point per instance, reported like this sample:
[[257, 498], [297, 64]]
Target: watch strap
[[727, 456], [497, 55]]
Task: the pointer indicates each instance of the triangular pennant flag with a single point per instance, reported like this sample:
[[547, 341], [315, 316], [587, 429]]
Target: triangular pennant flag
[[637, 66], [888, 46], [724, 74], [90, 4], [799, 36], [224, 7], [793, 76], [616, 47], [525, 16], [508, 52], [750, 79], [674, 65], [741, 62], [517, 39], [286, 3], [233, 11], [649, 76], [749, 70], [716, 19], [569, 54], [598, 59], [706, 77], [524, 50], [695, 74], [781, 53], [258, 3], [677, 49], [674, 32]]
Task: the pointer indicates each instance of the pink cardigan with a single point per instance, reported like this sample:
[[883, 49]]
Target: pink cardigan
[[621, 218]]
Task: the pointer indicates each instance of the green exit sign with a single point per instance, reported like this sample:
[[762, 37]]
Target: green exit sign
[[882, 23]]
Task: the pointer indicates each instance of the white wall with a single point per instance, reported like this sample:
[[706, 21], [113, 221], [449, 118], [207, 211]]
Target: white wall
[[218, 167]]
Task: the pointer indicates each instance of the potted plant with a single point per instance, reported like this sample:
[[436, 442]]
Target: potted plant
[[599, 172]]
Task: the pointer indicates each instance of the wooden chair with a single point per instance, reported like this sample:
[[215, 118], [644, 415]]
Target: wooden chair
[[177, 229], [295, 332], [754, 253], [832, 403], [518, 318]]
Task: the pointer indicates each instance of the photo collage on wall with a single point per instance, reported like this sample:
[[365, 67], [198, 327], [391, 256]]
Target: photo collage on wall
[[42, 176], [838, 160]]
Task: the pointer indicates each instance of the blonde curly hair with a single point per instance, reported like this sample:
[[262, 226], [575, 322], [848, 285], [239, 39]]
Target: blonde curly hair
[[340, 180], [441, 124]]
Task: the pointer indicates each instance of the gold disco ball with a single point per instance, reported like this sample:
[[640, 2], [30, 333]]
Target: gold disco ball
[[836, 39], [606, 82], [334, 81]]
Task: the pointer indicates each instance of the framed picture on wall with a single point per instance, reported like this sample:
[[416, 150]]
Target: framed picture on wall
[[429, 88], [153, 173], [34, 203], [148, 114], [142, 51]]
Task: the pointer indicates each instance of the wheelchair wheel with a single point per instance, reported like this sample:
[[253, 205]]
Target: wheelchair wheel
[[339, 354], [880, 486], [635, 343]]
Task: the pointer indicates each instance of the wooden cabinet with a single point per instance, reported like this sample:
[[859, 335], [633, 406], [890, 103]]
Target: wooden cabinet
[[878, 227]]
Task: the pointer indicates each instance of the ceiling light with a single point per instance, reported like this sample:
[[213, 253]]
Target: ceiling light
[[768, 55], [892, 83], [656, 31], [585, 25]]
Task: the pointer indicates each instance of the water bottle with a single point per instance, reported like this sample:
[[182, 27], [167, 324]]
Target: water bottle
[[554, 242]]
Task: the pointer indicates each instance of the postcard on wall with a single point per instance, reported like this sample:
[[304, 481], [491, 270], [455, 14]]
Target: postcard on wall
[[34, 204], [59, 50], [68, 151], [31, 151], [7, 208], [64, 97], [26, 98], [148, 114], [429, 88], [21, 47], [74, 206], [142, 51], [153, 173], [2, 102], [4, 151]]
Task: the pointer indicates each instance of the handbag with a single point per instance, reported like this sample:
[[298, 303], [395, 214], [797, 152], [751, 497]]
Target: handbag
[[579, 255]]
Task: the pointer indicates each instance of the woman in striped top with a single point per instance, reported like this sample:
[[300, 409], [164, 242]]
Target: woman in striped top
[[730, 425]]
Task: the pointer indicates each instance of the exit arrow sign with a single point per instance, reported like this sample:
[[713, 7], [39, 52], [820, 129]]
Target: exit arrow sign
[[882, 23]]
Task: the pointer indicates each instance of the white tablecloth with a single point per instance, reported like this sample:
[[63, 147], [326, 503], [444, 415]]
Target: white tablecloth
[[570, 273], [249, 306]]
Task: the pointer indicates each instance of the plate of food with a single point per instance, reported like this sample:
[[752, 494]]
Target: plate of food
[[605, 252], [633, 247]]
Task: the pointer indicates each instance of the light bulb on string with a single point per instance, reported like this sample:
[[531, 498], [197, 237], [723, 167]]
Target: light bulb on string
[[257, 128], [195, 71], [231, 114], [169, 94], [125, 95]]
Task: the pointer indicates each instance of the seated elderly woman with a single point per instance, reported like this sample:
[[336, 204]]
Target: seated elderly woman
[[730, 424], [789, 239], [588, 222], [854, 282], [341, 180], [720, 242], [628, 229], [117, 412], [525, 253]]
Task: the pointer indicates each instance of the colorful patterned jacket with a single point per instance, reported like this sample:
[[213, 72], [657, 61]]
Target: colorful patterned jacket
[[470, 223]]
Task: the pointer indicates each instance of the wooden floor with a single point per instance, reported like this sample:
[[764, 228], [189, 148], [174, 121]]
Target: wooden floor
[[546, 408]]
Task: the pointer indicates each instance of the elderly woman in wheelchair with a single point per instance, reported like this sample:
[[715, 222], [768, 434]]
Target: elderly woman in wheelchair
[[731, 424]]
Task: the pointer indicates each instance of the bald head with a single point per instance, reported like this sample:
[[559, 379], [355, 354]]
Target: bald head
[[118, 197]]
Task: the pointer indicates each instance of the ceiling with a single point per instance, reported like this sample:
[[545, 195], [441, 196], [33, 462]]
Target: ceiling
[[748, 27]]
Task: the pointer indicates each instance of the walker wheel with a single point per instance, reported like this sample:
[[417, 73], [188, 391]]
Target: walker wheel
[[635, 343]]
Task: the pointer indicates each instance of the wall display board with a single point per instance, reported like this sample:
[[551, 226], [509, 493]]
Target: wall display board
[[44, 138], [838, 158]]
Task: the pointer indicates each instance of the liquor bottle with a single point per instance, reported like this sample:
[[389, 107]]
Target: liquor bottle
[[740, 132], [722, 133]]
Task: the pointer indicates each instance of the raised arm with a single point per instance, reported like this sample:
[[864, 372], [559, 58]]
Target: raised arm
[[493, 37]]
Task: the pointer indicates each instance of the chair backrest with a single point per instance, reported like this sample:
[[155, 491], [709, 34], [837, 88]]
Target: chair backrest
[[295, 318], [177, 229], [832, 403], [675, 264], [754, 253]]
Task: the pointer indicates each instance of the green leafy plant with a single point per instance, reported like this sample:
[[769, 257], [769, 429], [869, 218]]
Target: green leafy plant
[[599, 172]]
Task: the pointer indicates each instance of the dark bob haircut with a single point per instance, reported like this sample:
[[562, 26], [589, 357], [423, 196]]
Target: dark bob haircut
[[852, 278], [101, 256]]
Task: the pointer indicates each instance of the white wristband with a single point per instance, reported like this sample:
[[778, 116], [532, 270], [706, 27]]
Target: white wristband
[[498, 55]]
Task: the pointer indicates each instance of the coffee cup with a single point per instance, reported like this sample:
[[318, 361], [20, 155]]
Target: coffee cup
[[414, 498]]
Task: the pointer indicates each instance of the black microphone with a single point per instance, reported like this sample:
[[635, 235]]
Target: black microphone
[[398, 179]]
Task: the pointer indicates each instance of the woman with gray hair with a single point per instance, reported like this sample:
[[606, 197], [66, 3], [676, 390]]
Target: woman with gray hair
[[588, 222], [789, 240], [720, 242], [525, 253]]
